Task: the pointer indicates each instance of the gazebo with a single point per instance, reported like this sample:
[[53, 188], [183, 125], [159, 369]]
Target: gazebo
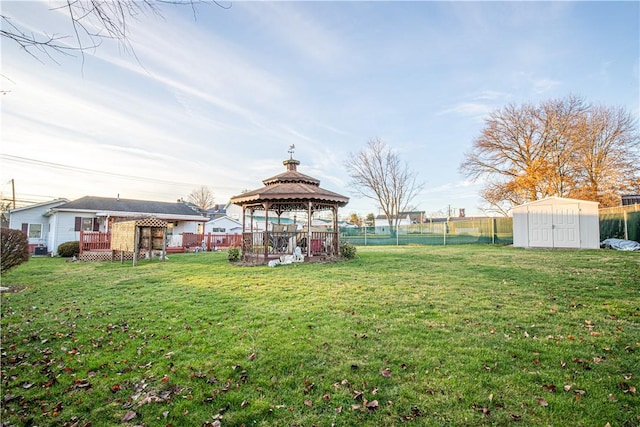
[[289, 192]]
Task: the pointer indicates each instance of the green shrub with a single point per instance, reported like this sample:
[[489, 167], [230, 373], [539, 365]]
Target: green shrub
[[14, 248], [233, 254], [69, 249], [347, 250]]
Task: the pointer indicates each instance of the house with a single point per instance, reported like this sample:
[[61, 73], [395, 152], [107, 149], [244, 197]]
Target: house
[[630, 199], [62, 220], [33, 222], [223, 225]]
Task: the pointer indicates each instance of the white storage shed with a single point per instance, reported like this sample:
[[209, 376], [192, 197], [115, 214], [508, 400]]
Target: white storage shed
[[556, 222]]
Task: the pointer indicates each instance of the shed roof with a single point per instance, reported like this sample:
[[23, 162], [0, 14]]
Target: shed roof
[[290, 187], [555, 199]]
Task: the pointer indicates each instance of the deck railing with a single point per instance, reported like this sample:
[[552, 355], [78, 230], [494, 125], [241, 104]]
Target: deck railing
[[270, 244], [211, 240], [94, 241], [101, 241]]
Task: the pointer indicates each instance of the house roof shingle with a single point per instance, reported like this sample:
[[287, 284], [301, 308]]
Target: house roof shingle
[[106, 204]]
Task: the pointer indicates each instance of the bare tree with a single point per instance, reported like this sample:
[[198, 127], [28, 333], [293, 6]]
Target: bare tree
[[378, 173], [531, 152], [202, 197], [607, 155], [91, 22]]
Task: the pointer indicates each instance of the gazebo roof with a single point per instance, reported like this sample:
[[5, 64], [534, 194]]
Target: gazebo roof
[[290, 188]]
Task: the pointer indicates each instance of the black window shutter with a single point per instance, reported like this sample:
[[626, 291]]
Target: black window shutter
[[25, 228], [78, 224]]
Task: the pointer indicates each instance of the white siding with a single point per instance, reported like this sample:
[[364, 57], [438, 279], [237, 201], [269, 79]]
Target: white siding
[[34, 214], [65, 229], [557, 223], [31, 216], [229, 225]]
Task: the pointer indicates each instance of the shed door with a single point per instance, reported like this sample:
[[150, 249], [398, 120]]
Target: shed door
[[540, 226], [566, 226]]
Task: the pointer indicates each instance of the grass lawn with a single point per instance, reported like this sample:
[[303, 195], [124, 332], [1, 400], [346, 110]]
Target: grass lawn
[[456, 335]]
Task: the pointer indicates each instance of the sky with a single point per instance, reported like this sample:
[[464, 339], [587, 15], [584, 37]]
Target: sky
[[215, 96]]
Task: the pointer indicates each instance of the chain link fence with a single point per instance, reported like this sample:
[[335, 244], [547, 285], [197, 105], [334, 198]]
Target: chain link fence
[[445, 232], [621, 222]]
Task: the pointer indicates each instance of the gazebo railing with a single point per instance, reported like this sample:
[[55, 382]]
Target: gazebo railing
[[271, 244]]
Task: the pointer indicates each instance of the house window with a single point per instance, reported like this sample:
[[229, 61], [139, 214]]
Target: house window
[[33, 231], [86, 224]]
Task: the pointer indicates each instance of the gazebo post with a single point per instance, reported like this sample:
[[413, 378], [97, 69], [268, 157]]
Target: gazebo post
[[265, 235], [309, 229], [336, 243]]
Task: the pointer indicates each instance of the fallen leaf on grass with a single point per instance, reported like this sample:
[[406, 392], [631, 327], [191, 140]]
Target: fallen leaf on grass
[[373, 405], [386, 373], [541, 401], [81, 384], [549, 387], [308, 403], [415, 412], [485, 411], [626, 387], [128, 416]]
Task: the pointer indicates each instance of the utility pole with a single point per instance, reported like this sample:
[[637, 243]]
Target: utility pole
[[13, 192]]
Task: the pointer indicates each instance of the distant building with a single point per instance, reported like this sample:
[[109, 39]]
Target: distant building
[[631, 199]]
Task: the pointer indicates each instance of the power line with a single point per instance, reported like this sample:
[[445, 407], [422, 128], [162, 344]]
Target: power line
[[70, 168]]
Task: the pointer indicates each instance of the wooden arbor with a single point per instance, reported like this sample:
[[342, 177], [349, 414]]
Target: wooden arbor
[[142, 236], [288, 192]]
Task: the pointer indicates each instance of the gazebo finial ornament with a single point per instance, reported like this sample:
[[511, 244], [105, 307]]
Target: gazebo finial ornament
[[292, 148]]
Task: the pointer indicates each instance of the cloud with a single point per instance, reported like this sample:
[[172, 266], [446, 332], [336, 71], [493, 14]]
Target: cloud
[[470, 109], [544, 85], [302, 32]]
